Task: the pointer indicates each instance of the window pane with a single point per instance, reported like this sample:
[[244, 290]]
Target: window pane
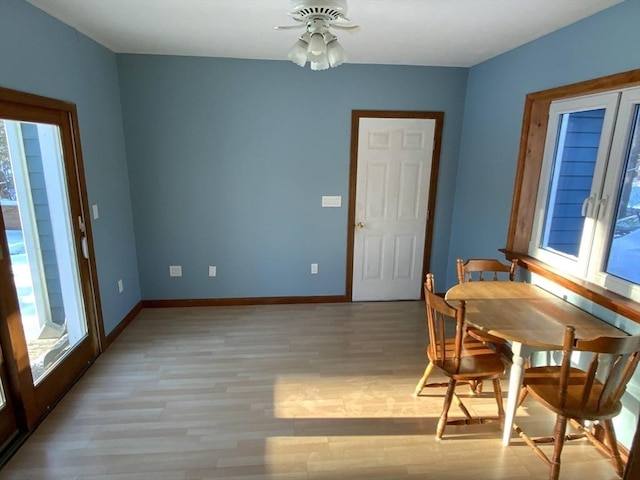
[[38, 228], [570, 184], [624, 251]]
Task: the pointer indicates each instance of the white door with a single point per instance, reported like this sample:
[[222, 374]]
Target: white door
[[392, 191]]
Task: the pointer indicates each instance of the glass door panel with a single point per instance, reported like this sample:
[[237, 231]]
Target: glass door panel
[[39, 233], [49, 301]]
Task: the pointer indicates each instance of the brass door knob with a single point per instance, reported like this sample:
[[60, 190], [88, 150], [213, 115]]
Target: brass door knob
[[360, 225]]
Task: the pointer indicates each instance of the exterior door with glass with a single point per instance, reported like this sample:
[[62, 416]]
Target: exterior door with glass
[[46, 275]]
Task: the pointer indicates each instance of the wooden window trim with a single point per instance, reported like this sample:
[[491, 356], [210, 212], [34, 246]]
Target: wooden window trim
[[532, 139]]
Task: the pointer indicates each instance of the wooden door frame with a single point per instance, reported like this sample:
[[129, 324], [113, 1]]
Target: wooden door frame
[[356, 115]]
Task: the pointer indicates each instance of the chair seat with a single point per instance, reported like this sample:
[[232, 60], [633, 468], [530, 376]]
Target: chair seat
[[543, 383], [477, 362]]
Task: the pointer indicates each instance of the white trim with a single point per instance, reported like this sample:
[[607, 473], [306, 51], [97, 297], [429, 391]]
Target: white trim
[[61, 226]]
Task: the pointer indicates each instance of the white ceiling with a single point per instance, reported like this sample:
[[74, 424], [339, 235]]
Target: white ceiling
[[407, 32]]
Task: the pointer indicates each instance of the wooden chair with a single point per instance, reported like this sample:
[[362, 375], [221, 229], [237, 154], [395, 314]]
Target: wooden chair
[[579, 395], [481, 269], [470, 343], [464, 362]]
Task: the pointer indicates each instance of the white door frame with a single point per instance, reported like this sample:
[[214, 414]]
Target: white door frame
[[356, 115]]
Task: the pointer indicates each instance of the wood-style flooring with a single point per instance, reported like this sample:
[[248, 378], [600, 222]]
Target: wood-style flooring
[[294, 392]]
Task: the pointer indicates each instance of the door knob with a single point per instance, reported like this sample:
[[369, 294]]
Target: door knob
[[360, 225]]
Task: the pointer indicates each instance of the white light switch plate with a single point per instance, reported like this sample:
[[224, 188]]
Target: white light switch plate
[[212, 270], [314, 268], [175, 271], [331, 201], [95, 212]]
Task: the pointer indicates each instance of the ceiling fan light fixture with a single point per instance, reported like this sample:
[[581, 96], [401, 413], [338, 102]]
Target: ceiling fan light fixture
[[318, 45]]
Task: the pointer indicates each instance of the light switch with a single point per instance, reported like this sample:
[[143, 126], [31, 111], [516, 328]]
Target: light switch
[[314, 269], [212, 270], [328, 201], [95, 212]]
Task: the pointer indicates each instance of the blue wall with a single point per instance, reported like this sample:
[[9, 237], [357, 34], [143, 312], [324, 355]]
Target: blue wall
[[228, 161], [603, 44], [40, 55]]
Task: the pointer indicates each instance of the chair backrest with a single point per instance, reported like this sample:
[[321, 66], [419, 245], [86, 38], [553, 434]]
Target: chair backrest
[[479, 269], [439, 314], [611, 365]]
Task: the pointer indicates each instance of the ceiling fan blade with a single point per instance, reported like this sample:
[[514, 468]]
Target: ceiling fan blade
[[348, 28], [289, 27]]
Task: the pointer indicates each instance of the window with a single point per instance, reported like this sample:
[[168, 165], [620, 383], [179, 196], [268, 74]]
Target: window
[[587, 216]]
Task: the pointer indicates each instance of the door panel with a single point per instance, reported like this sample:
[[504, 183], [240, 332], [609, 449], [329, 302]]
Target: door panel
[[43, 259], [394, 165], [50, 317]]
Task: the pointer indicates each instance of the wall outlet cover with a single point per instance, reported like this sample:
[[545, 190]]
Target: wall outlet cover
[[175, 271]]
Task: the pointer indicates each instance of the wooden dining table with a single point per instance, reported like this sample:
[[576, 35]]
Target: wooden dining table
[[528, 317]]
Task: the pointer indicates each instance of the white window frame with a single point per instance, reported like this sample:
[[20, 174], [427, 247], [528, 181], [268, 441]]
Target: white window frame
[[629, 103], [598, 208]]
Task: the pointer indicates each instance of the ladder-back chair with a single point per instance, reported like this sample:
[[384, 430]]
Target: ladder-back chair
[[486, 269], [578, 395], [463, 362], [469, 342]]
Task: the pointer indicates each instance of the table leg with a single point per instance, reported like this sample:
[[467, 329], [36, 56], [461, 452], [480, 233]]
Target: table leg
[[520, 354]]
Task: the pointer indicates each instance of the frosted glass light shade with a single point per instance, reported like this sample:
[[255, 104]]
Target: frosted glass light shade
[[298, 54], [335, 54], [317, 45], [323, 64]]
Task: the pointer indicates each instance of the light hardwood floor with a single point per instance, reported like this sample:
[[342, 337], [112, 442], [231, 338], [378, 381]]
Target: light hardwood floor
[[313, 392]]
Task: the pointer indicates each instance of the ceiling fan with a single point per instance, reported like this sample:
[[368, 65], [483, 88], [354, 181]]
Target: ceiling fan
[[317, 44]]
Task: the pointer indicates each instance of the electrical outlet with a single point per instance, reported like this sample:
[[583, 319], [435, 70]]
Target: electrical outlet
[[175, 271], [314, 268], [212, 270], [120, 286]]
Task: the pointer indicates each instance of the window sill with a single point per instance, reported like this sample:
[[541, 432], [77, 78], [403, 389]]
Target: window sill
[[595, 293]]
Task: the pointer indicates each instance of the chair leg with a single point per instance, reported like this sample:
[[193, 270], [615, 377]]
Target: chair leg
[[497, 391], [610, 435], [558, 436], [423, 380], [442, 423], [523, 395], [476, 387]]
